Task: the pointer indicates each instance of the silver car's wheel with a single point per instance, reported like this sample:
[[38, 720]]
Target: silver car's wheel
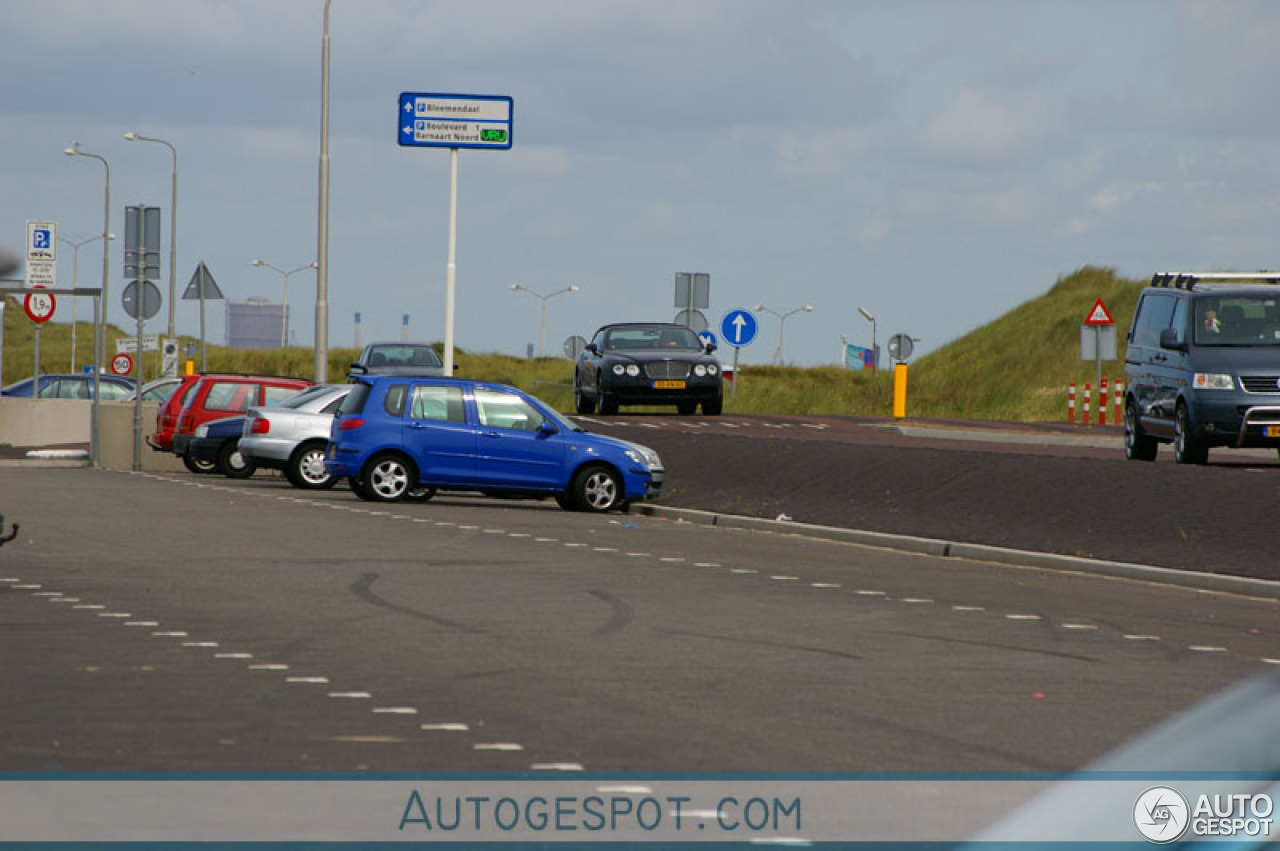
[[597, 489], [306, 468], [387, 478]]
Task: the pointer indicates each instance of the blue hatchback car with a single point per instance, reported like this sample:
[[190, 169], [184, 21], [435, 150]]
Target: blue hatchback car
[[398, 437]]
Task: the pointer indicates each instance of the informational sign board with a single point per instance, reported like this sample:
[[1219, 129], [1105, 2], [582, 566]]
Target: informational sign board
[[434, 120], [42, 254]]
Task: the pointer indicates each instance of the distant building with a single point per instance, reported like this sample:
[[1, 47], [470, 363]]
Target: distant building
[[256, 323]]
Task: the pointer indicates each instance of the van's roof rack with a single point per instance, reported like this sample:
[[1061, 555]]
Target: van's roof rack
[[1188, 280]]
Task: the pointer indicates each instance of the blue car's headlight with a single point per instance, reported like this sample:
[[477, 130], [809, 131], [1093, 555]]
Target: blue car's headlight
[[644, 456]]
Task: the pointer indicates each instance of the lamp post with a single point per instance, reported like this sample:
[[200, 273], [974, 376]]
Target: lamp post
[[284, 318], [782, 325], [875, 356], [322, 215], [100, 314], [75, 284], [173, 222], [542, 334]]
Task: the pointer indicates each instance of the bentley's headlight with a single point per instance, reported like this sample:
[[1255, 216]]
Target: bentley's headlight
[[633, 370], [712, 369], [619, 369], [700, 370]]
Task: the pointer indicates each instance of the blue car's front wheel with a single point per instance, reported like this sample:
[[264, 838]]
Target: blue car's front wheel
[[596, 488]]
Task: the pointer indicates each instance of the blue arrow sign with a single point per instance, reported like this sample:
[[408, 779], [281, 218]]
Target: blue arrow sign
[[738, 328]]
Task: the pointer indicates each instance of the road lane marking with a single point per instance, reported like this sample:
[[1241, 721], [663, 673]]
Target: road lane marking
[[307, 680], [1142, 638], [556, 766], [497, 746], [268, 666], [170, 634], [351, 695], [395, 710], [1206, 648], [1023, 617], [447, 727]]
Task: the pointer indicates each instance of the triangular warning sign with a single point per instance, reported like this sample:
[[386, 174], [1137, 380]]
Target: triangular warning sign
[[1099, 315], [202, 284]]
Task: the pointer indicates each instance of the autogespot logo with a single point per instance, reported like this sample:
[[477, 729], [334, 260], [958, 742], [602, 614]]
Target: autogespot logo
[[1161, 814]]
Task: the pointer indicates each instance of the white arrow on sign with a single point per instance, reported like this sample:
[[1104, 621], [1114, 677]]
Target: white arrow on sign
[[738, 324]]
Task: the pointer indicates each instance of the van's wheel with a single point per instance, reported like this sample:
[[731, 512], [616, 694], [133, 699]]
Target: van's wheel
[[596, 488], [306, 468], [1186, 449], [1137, 446], [387, 478]]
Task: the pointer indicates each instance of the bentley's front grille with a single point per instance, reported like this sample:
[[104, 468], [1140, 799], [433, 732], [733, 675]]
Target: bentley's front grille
[[666, 369]]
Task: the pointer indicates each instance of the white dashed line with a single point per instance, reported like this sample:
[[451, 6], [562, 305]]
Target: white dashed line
[[706, 564], [1267, 661], [626, 790], [637, 555], [199, 644], [671, 559], [742, 570], [65, 600], [351, 695], [307, 680], [786, 578], [445, 728], [824, 584], [1206, 648], [1142, 638], [142, 623], [47, 594], [498, 746], [233, 655], [870, 593], [1023, 617], [916, 600], [1079, 626], [968, 608], [114, 615], [269, 666], [556, 766], [395, 710], [170, 634]]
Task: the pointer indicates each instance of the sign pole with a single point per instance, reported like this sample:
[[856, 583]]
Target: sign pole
[[451, 270], [35, 380]]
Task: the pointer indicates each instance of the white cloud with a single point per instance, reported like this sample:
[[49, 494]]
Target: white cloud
[[975, 131]]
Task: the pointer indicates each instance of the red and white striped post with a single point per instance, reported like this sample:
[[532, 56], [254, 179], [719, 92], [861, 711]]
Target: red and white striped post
[[1087, 392], [1071, 402], [1102, 402], [1117, 393]]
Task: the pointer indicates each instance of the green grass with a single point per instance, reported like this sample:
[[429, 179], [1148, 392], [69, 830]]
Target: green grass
[[1014, 368]]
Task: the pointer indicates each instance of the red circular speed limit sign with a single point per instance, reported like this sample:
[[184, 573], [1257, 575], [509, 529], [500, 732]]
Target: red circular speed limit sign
[[122, 364], [40, 306]]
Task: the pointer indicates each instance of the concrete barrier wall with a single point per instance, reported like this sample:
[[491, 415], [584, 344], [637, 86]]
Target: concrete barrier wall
[[52, 422]]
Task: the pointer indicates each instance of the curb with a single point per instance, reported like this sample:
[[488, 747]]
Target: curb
[[1196, 580]]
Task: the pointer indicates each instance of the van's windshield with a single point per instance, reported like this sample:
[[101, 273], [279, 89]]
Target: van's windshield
[[1237, 320]]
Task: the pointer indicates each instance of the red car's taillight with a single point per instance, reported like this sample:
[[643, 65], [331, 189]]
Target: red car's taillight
[[186, 422], [260, 426], [349, 423]]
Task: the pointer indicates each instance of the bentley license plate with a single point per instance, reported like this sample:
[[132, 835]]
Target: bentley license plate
[[1271, 431], [668, 385]]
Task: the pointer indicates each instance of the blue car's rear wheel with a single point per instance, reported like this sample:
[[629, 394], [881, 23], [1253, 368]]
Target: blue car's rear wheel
[[388, 478]]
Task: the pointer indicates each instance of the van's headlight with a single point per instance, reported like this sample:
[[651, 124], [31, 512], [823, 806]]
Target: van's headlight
[[1213, 381]]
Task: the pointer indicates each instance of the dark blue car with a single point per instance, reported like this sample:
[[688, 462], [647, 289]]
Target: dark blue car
[[215, 446], [398, 437]]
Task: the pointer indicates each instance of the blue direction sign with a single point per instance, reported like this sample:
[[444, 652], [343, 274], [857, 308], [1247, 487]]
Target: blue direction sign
[[708, 339], [430, 120], [738, 328]]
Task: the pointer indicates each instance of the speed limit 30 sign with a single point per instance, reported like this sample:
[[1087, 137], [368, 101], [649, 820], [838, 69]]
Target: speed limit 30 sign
[[40, 306]]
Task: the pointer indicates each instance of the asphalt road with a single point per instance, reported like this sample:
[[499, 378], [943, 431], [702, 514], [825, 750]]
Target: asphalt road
[[184, 622], [1041, 487]]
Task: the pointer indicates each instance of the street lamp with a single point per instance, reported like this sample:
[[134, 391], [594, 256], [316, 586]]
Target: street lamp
[[782, 325], [173, 222], [875, 356], [542, 336], [322, 217], [100, 316], [75, 283], [284, 318]]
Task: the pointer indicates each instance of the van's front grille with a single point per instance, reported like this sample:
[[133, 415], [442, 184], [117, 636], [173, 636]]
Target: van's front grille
[[1261, 383], [667, 369]]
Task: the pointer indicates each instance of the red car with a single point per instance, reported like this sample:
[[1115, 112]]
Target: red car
[[213, 397], [167, 416]]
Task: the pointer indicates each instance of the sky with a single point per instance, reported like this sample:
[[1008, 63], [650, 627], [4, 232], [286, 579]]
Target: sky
[[934, 162]]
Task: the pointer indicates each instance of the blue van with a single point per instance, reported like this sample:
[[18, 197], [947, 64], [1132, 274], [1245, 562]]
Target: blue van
[[1202, 365], [399, 437]]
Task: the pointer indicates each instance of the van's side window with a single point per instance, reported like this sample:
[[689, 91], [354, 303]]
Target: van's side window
[[1180, 319], [1155, 313]]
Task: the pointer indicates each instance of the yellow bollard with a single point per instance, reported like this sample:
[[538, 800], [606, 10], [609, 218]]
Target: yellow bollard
[[899, 390], [191, 367]]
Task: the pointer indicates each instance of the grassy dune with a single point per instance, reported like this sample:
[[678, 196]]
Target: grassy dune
[[1014, 368]]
